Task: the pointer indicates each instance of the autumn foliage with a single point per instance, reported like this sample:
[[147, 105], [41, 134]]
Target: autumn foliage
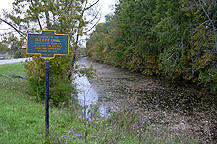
[[64, 17], [175, 38]]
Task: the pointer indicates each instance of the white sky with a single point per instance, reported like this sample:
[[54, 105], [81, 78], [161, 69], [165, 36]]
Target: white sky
[[104, 4], [107, 7], [7, 4]]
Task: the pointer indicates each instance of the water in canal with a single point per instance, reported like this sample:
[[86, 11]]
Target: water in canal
[[177, 105]]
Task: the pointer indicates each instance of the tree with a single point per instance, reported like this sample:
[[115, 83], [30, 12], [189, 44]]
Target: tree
[[2, 47], [63, 16], [172, 38], [204, 38], [12, 42]]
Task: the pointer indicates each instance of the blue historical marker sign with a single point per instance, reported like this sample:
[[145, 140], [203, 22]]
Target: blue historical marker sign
[[47, 44]]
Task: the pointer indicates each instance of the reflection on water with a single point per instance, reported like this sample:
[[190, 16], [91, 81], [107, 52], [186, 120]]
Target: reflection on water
[[87, 94], [163, 102]]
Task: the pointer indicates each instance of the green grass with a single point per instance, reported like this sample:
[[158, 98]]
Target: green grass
[[12, 69], [22, 120]]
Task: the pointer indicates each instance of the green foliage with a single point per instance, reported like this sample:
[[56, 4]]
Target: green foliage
[[60, 92], [60, 86], [2, 47], [173, 38], [19, 54], [63, 17], [11, 42], [209, 78]]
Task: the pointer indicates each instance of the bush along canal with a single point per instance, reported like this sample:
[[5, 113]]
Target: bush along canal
[[180, 107]]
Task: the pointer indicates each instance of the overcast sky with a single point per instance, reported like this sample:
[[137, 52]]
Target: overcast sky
[[7, 4], [104, 4], [107, 6]]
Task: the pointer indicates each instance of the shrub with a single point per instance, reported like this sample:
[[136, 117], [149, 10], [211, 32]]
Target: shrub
[[19, 54], [60, 87], [209, 78], [60, 92]]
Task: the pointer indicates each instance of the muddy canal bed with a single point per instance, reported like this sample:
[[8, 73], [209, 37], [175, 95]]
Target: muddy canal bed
[[177, 106]]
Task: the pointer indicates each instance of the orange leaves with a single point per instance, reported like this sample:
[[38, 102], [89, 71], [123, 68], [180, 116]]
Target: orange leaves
[[34, 68], [203, 62], [151, 66], [90, 51]]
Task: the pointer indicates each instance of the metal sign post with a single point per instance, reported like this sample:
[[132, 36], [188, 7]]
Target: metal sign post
[[47, 66], [47, 44]]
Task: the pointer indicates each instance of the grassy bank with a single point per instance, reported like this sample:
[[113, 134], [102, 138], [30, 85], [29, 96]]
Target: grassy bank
[[22, 120]]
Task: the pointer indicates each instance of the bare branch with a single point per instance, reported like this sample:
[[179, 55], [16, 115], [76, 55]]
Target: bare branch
[[37, 16], [92, 5], [171, 56], [21, 33], [39, 23], [201, 25], [13, 76], [96, 16], [93, 25], [213, 25]]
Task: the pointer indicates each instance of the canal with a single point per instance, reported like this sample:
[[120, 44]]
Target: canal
[[179, 106]]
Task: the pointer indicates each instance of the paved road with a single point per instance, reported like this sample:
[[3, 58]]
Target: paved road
[[10, 61]]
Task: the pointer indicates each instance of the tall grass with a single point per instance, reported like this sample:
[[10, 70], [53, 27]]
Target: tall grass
[[22, 120]]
